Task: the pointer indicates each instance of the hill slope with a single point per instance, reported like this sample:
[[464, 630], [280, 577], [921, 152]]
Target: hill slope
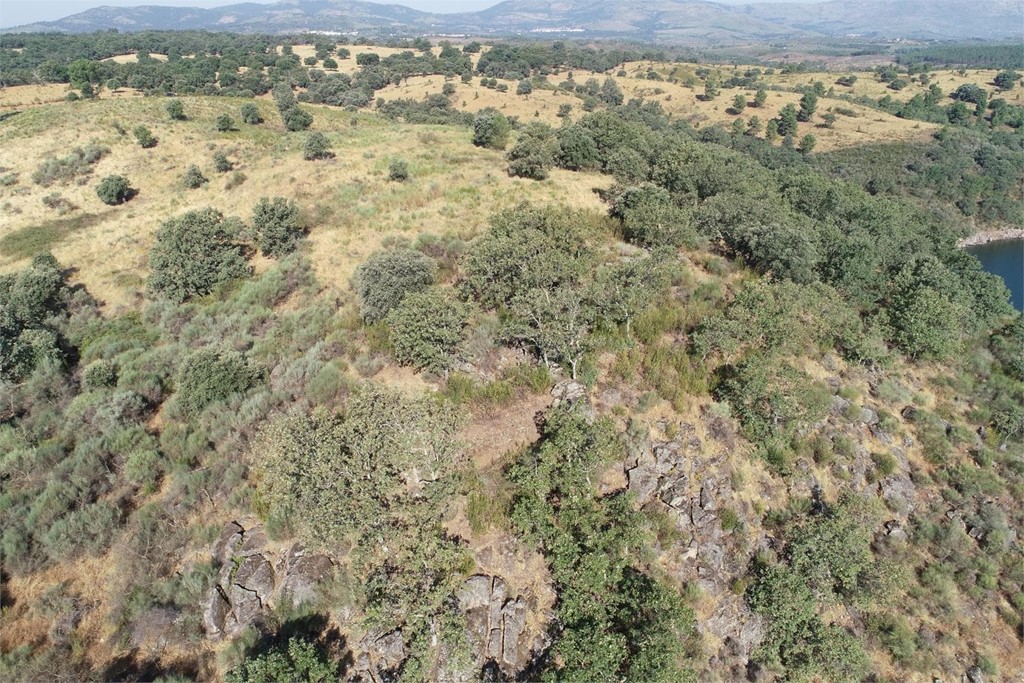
[[675, 20]]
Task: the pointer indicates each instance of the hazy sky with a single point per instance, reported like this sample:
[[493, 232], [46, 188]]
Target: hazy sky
[[16, 12]]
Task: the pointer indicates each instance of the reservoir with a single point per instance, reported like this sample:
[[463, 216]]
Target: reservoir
[[1005, 259]]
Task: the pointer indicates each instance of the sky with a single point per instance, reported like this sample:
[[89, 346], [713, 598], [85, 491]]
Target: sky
[[17, 12]]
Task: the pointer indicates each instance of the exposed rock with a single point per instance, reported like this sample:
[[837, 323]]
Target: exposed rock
[[158, 627], [643, 482], [389, 651], [256, 575], [497, 624], [215, 610], [839, 406], [707, 491], [568, 391], [245, 609], [868, 416], [974, 675], [299, 585], [228, 543]]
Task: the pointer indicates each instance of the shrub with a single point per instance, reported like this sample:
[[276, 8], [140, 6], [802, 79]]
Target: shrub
[[225, 123], [175, 109], [398, 170], [144, 137], [275, 226], [426, 329], [250, 114], [114, 190], [194, 178], [387, 276], [534, 152], [193, 254], [99, 374], [491, 129], [316, 147], [78, 163], [296, 119], [211, 374], [301, 662], [221, 163]]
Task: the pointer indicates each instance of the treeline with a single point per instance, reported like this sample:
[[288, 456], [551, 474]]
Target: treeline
[[978, 56]]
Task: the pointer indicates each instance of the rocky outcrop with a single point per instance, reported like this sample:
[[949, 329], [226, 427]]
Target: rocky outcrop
[[252, 579], [496, 623]]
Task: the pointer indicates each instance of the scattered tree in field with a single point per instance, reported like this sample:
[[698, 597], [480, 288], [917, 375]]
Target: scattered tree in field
[[193, 254], [760, 97], [194, 178], [1005, 80], [398, 170], [807, 143], [427, 328], [276, 226], [808, 105], [144, 137], [491, 129], [739, 103], [711, 87], [114, 190], [221, 163], [296, 119], [175, 109], [250, 113], [387, 276], [316, 147], [534, 152], [225, 123], [787, 121]]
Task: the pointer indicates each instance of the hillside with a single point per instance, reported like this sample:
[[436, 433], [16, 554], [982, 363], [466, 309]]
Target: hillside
[[678, 21], [378, 363]]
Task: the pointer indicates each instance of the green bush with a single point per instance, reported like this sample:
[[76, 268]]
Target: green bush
[[194, 178], [114, 190], [225, 123], [250, 114], [211, 374], [193, 254], [426, 329], [398, 170], [316, 147], [300, 661], [144, 137], [221, 163], [78, 163], [387, 276], [491, 129], [276, 226], [175, 109]]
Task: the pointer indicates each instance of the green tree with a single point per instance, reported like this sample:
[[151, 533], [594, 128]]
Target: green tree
[[624, 290], [250, 113], [387, 277], [398, 170], [808, 105], [787, 122], [556, 322], [611, 93], [225, 123], [739, 103], [276, 226], [144, 137], [114, 190], [427, 328], [807, 143], [194, 178], [1005, 80], [524, 87], [711, 87], [760, 97], [175, 109], [211, 374], [300, 661], [577, 149], [193, 254], [296, 119], [221, 163], [491, 129], [534, 153], [316, 147]]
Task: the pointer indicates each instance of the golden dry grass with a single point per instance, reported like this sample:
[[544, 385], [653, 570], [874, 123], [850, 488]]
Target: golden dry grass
[[348, 200]]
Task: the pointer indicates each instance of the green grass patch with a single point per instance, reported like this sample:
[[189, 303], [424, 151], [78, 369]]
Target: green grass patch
[[34, 239]]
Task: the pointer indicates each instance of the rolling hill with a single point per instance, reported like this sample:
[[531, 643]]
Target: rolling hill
[[665, 20]]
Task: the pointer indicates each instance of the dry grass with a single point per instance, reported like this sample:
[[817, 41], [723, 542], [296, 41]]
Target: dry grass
[[348, 200]]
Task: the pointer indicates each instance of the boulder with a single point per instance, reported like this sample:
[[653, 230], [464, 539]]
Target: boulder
[[215, 609], [568, 391], [476, 592], [300, 584], [245, 609], [255, 574], [643, 482], [388, 651]]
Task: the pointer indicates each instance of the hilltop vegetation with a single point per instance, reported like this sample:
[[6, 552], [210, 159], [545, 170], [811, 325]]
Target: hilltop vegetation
[[350, 380]]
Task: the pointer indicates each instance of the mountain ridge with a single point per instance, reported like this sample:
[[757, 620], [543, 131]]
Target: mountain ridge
[[661, 20]]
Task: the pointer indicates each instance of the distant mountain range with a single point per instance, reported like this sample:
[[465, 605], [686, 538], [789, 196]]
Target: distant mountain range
[[662, 20]]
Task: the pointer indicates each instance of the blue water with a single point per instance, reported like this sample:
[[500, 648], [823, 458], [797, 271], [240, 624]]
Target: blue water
[[1005, 259]]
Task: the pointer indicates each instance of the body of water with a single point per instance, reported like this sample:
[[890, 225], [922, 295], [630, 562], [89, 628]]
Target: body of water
[[1005, 259]]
